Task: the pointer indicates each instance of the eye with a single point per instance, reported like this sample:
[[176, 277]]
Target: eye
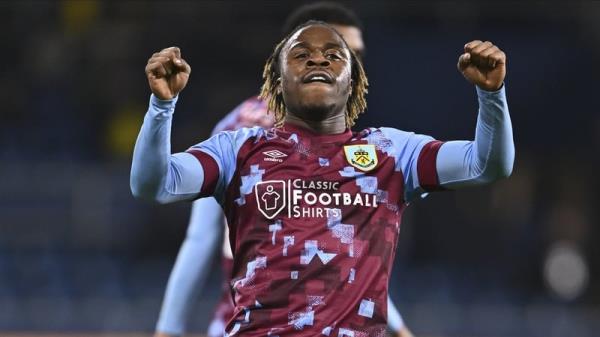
[[301, 55], [333, 56]]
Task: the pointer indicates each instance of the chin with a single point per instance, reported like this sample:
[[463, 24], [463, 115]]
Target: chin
[[319, 96], [316, 111], [315, 104]]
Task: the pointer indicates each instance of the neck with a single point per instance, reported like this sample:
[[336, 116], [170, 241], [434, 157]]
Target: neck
[[329, 126]]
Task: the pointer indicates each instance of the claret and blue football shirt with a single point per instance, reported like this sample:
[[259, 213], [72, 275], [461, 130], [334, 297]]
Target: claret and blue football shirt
[[314, 219]]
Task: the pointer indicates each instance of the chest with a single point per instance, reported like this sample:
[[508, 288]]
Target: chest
[[312, 158], [278, 178]]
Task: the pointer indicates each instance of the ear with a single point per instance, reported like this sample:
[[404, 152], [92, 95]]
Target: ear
[[278, 89]]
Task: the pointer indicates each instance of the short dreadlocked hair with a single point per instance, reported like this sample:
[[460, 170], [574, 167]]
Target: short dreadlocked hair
[[269, 92]]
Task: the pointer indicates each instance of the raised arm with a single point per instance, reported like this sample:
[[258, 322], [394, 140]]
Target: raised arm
[[487, 158], [430, 165], [490, 155], [155, 173]]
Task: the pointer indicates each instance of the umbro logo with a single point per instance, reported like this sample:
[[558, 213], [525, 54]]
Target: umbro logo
[[274, 155]]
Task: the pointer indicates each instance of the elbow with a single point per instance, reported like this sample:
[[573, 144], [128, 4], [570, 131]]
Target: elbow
[[150, 197], [140, 193], [497, 172], [505, 168], [146, 194], [161, 200], [508, 162], [501, 168], [135, 188]]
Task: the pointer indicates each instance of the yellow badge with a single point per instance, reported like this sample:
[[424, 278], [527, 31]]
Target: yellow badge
[[363, 157]]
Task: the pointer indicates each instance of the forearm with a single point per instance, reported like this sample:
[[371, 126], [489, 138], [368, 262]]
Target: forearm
[[395, 321], [187, 277], [155, 173], [490, 156]]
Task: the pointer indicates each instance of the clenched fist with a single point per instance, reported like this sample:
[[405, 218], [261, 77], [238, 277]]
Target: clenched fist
[[167, 73], [483, 64]]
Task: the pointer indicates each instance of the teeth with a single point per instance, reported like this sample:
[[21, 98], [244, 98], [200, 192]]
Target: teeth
[[318, 78]]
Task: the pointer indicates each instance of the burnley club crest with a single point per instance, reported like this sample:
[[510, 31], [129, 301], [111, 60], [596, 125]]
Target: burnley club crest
[[363, 157]]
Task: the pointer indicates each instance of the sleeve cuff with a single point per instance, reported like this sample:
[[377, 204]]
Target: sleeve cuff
[[489, 94], [162, 108]]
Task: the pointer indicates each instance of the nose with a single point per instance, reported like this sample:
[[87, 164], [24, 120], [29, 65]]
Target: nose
[[317, 60]]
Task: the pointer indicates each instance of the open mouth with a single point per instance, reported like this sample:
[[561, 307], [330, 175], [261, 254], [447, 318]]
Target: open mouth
[[318, 77]]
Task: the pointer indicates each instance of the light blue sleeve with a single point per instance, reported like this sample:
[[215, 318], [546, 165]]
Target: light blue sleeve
[[156, 174], [192, 266], [429, 165], [203, 170], [395, 321], [406, 149], [490, 156]]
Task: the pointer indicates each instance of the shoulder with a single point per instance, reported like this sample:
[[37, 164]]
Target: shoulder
[[224, 141], [251, 112], [398, 143], [386, 136], [242, 134]]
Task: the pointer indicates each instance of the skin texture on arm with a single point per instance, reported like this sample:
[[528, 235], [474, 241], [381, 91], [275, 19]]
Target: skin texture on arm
[[191, 267]]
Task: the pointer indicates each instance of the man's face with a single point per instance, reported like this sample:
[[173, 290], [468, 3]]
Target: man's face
[[315, 73]]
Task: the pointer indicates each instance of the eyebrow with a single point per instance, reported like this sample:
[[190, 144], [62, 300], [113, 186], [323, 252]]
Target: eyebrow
[[300, 44], [330, 45]]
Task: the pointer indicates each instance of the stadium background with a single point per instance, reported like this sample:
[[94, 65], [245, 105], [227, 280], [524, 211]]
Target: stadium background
[[78, 254]]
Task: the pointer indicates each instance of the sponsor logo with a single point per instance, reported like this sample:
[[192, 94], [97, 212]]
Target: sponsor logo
[[270, 197], [363, 157], [317, 199], [274, 155]]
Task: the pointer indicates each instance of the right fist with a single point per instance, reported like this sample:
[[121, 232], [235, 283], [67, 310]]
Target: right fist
[[167, 73]]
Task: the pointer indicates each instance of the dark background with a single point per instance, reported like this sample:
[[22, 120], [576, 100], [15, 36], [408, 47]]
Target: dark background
[[79, 253]]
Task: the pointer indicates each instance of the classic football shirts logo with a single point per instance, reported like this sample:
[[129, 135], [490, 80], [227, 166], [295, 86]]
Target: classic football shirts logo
[[302, 198], [270, 197]]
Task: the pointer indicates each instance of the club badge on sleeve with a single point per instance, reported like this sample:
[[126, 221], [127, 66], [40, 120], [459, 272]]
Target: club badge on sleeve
[[363, 157]]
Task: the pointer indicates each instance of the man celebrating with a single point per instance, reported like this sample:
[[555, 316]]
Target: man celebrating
[[194, 258], [326, 271]]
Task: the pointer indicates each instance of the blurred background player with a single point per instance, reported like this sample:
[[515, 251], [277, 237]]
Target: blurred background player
[[195, 255]]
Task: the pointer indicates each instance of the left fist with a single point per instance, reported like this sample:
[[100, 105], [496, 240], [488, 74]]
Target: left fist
[[483, 64]]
